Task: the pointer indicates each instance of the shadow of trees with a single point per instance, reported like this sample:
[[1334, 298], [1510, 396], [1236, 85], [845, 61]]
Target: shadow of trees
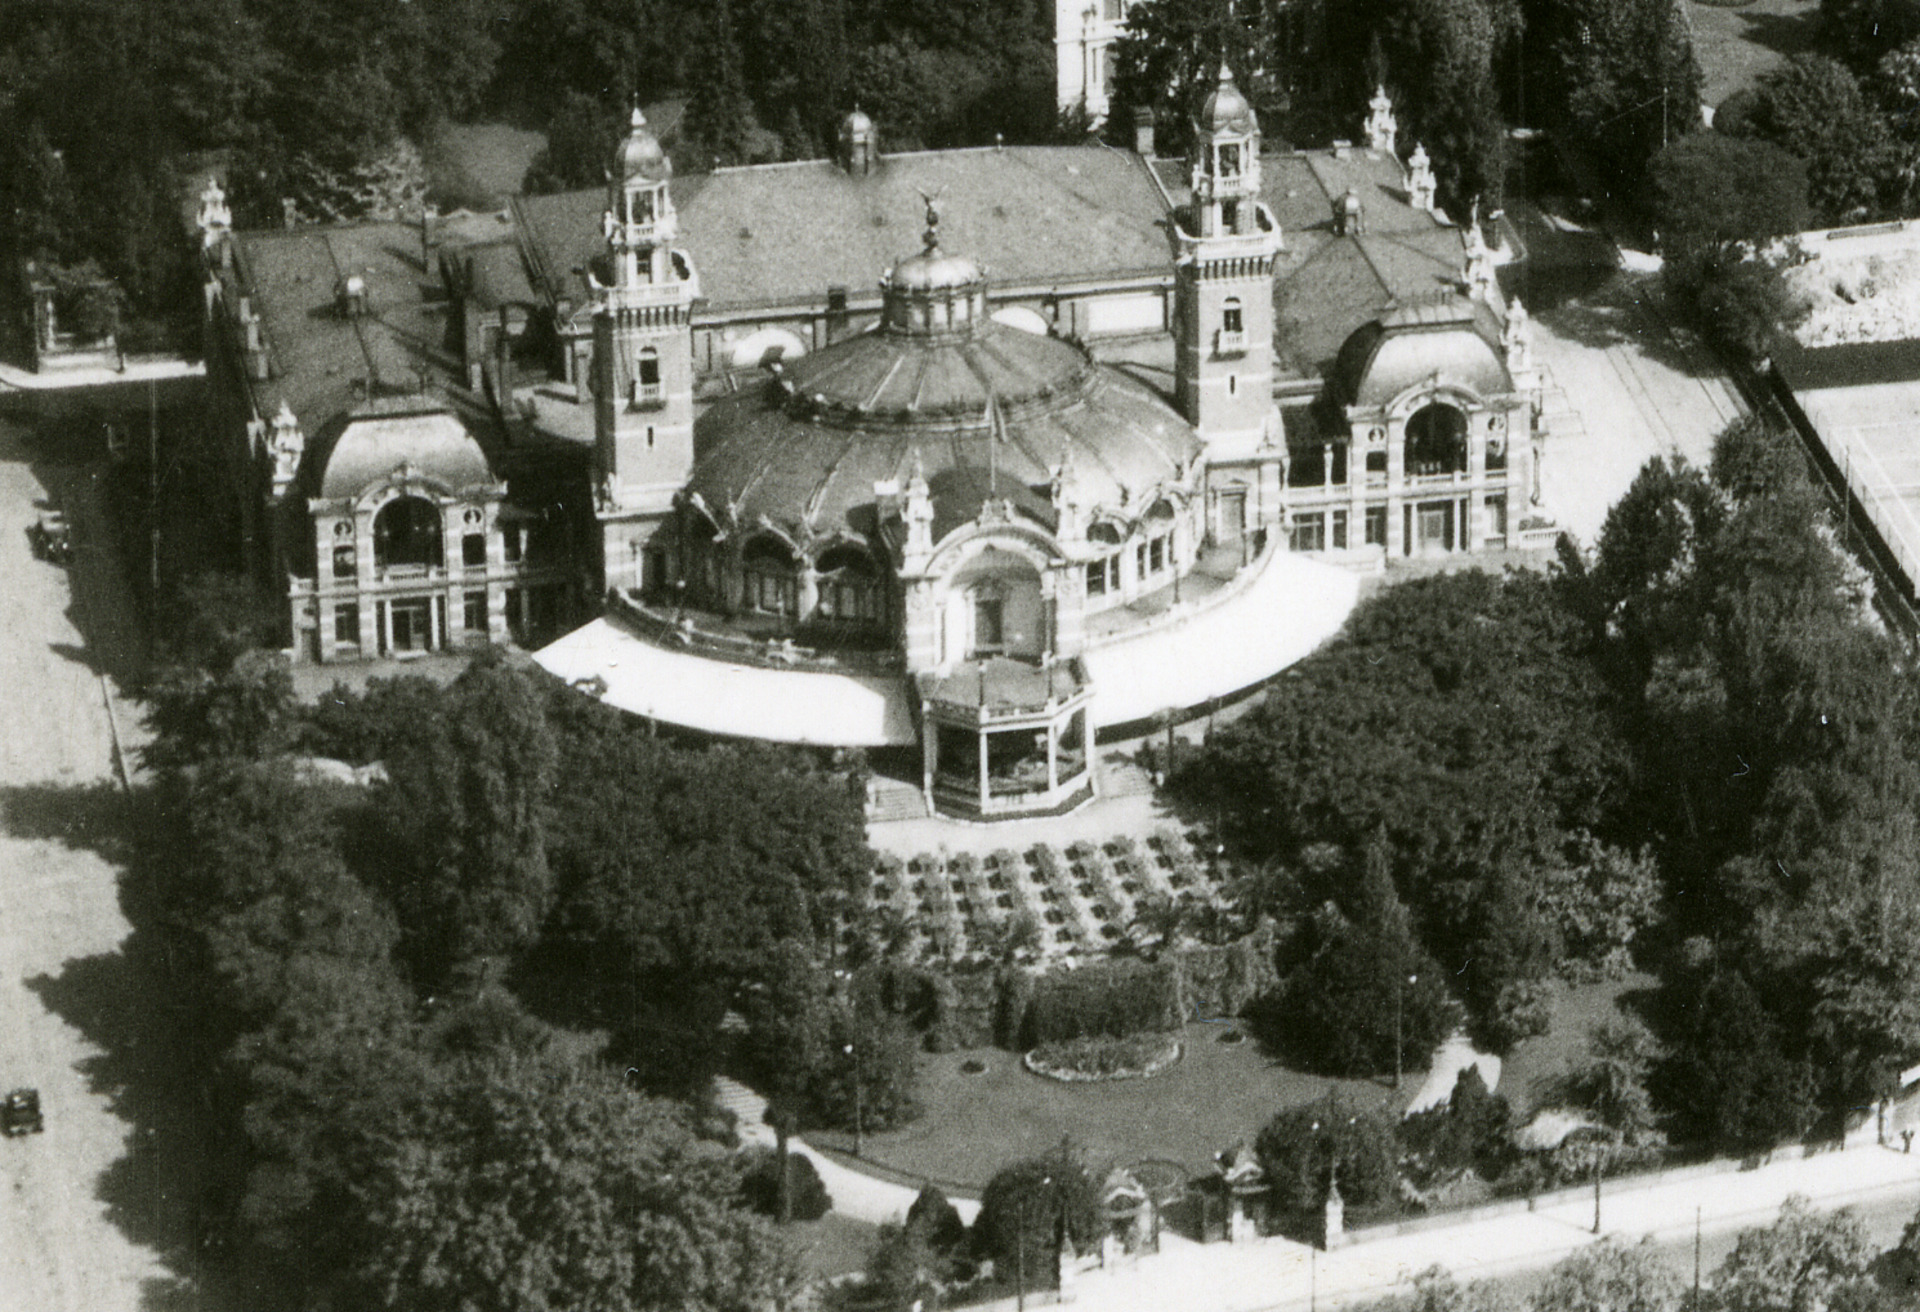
[[148, 1060]]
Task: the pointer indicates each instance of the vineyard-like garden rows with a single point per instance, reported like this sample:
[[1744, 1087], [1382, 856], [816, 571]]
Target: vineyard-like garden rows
[[1083, 899]]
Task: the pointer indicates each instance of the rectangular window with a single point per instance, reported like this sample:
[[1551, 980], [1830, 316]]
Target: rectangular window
[[1157, 555], [1140, 561], [475, 616], [1096, 578], [512, 539], [988, 623], [1308, 532], [346, 625], [1230, 218], [1339, 530], [1376, 526], [473, 550], [1230, 318], [1497, 515], [343, 563]]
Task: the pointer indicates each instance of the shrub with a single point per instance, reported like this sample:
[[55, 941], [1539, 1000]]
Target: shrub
[[760, 1185], [1111, 998], [1024, 1203], [936, 1218]]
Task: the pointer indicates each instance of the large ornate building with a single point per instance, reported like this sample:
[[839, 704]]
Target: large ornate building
[[977, 515]]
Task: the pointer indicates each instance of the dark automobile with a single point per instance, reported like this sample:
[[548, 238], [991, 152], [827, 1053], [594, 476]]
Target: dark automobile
[[20, 1113], [53, 537]]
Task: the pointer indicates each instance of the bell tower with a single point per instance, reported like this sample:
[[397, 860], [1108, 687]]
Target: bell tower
[[1225, 247], [642, 365]]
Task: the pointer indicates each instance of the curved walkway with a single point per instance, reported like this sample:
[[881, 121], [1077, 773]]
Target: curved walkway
[[854, 1193]]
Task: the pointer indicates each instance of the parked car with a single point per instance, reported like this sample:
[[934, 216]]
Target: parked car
[[53, 537], [20, 1113]]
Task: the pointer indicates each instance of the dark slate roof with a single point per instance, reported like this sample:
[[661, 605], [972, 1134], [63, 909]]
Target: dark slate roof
[[803, 452], [1451, 337], [1326, 287], [780, 234]]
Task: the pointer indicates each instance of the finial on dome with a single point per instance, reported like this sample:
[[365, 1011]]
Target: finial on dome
[[932, 235]]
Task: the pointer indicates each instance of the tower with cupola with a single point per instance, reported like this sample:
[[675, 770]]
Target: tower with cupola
[[1225, 247], [642, 365]]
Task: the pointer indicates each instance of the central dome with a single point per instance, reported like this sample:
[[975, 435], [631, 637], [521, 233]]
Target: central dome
[[982, 410]]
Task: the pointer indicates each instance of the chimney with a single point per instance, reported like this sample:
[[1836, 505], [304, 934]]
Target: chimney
[[503, 369], [1143, 132]]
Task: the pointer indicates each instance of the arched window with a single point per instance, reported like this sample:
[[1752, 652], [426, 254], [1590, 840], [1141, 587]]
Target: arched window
[[1230, 318], [1153, 555], [646, 377], [1436, 440], [770, 577], [406, 532], [849, 586]]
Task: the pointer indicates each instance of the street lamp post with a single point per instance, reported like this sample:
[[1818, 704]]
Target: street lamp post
[[1020, 1246], [859, 1114], [1399, 1005]]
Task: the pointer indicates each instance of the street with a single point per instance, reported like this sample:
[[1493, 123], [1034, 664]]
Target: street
[[90, 1206]]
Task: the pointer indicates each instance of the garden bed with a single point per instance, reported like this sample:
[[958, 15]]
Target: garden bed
[[1099, 1058]]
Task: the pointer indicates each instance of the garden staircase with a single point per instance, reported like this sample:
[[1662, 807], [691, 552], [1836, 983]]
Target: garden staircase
[[749, 1109], [893, 799]]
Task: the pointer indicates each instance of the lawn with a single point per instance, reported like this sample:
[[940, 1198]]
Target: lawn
[[835, 1245], [1216, 1096], [1532, 1068], [1736, 44], [478, 166]]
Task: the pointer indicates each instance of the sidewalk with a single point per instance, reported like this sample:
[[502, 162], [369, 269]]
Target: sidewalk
[[1278, 1274]]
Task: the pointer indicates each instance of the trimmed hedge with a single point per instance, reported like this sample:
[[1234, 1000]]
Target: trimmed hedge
[[1114, 998], [1138, 1056]]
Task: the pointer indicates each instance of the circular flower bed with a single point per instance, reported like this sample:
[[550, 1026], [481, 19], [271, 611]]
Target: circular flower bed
[[1087, 1060]]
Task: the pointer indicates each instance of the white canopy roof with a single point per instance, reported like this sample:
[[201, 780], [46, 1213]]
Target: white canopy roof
[[713, 695]]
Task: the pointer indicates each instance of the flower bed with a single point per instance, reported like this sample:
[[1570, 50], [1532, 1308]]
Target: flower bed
[[1099, 1058]]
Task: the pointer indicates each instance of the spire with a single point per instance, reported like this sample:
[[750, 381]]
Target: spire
[[1382, 127]]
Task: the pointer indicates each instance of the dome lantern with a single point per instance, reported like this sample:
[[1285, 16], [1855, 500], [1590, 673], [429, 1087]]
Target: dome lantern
[[932, 293]]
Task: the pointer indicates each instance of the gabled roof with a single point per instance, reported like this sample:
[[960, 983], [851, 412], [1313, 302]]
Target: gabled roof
[[780, 234]]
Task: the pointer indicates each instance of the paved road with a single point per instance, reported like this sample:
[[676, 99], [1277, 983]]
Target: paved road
[[70, 1009]]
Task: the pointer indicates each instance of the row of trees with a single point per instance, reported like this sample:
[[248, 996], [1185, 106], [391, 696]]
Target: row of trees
[[1804, 1259], [454, 1023], [1622, 77], [1693, 747]]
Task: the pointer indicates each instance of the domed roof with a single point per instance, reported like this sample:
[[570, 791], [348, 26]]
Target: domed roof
[[855, 123], [994, 412], [433, 446], [931, 269], [640, 155], [1452, 340], [1226, 109]]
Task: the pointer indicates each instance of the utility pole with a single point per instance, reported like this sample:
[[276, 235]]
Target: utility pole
[[1696, 1260], [1596, 1189], [153, 496]]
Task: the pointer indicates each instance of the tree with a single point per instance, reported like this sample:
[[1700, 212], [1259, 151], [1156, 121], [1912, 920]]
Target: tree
[[1728, 1080], [1027, 1206], [1357, 988], [1628, 78], [1610, 1277], [1803, 1262], [1304, 1148], [1612, 1085], [1168, 62], [1813, 106], [244, 713], [1710, 189], [580, 137], [465, 807], [520, 1181], [719, 115]]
